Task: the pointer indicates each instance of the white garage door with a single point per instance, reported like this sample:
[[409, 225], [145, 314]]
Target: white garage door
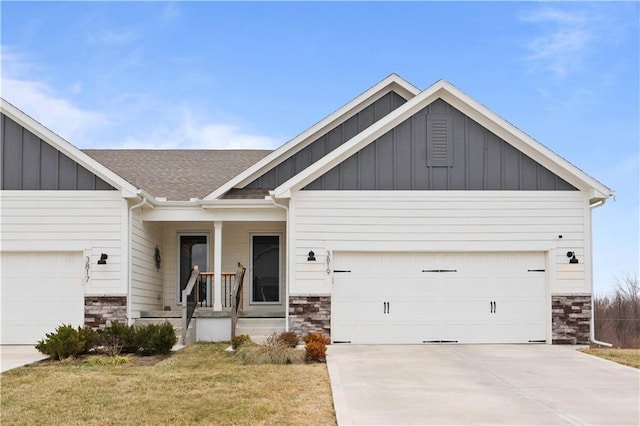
[[40, 291], [421, 298]]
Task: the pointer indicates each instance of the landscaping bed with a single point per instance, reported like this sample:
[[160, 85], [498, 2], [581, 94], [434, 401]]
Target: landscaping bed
[[202, 384]]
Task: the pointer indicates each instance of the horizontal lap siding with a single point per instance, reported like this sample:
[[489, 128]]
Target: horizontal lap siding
[[89, 221], [146, 280], [424, 221]]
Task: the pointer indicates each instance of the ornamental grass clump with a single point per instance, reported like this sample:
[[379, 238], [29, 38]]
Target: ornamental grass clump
[[273, 351]]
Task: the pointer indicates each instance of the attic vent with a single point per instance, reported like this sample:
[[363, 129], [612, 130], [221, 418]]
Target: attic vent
[[439, 140]]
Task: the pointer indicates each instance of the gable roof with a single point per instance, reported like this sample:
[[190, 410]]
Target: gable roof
[[179, 174], [392, 83], [467, 105], [60, 144]]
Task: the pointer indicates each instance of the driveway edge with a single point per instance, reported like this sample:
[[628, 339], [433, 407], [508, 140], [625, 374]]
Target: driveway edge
[[339, 400]]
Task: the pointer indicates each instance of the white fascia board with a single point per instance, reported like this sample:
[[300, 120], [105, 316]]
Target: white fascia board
[[466, 104], [520, 140], [391, 83], [237, 204], [197, 214], [38, 129], [358, 142]]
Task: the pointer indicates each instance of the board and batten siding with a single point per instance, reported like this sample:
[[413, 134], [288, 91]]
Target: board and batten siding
[[439, 148], [146, 279], [91, 222], [439, 221], [328, 142]]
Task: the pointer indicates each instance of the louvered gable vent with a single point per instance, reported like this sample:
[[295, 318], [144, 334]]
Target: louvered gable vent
[[439, 140]]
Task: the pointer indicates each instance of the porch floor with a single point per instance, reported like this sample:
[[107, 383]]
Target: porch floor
[[210, 313]]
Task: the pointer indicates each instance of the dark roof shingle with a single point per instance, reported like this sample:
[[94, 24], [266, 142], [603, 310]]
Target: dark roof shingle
[[178, 174]]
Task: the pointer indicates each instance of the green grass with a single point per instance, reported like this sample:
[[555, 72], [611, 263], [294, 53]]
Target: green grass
[[630, 357], [201, 384]]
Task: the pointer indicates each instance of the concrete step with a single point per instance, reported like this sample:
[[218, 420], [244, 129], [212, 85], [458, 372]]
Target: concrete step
[[260, 327], [161, 314]]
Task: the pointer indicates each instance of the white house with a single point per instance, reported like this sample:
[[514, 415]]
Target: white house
[[405, 216]]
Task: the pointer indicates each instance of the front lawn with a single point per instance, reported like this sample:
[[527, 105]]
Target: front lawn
[[201, 384], [630, 357]]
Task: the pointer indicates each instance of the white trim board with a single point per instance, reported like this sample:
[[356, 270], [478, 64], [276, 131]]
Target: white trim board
[[444, 90]]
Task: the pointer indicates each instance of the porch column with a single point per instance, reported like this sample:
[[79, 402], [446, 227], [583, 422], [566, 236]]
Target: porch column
[[217, 266]]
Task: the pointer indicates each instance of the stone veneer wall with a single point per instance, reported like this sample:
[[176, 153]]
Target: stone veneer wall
[[101, 311], [571, 318], [310, 314]]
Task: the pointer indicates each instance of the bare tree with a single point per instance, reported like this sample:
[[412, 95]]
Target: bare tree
[[617, 316]]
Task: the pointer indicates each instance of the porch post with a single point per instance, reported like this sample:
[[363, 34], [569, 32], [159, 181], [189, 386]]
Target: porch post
[[217, 266]]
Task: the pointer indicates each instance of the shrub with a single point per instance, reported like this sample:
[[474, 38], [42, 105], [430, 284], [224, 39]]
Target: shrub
[[288, 338], [65, 342], [240, 340], [153, 339], [316, 337], [91, 338], [117, 338], [315, 349]]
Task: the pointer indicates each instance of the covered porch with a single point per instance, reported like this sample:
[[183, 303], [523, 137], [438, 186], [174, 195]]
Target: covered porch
[[255, 238]]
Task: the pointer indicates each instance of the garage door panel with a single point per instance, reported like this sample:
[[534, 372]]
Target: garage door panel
[[39, 292], [454, 305]]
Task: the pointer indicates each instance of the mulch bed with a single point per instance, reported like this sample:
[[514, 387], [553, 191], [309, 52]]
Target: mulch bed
[[136, 360]]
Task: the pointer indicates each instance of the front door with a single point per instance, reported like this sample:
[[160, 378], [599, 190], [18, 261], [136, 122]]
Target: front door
[[194, 250], [265, 257]]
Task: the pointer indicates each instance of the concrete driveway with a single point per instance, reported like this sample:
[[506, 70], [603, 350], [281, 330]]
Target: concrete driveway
[[480, 384], [13, 356]]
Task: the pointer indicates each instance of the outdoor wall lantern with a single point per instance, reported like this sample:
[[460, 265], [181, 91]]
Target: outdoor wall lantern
[[572, 256], [312, 257], [157, 258], [103, 259]]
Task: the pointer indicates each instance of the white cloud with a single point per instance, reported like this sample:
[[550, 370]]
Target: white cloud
[[128, 121], [563, 41], [60, 115], [189, 132]]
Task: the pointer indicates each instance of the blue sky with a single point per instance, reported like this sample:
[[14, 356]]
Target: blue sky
[[253, 75]]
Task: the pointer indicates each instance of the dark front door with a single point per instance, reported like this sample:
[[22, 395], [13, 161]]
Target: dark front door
[[193, 251], [265, 251]]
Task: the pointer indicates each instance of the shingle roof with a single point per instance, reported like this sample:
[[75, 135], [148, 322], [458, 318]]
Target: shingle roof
[[176, 174]]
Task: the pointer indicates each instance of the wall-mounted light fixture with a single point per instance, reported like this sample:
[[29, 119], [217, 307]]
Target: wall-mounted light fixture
[[312, 257], [157, 258], [572, 256], [103, 259]]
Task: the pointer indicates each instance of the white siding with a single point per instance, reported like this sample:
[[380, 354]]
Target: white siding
[[235, 248], [146, 280], [439, 221], [90, 221]]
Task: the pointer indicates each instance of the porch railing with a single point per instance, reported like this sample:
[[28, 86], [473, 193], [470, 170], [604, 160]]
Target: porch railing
[[190, 297], [205, 284]]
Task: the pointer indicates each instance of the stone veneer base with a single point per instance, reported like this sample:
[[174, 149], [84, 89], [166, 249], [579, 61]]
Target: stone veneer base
[[310, 314], [571, 319], [101, 311]]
